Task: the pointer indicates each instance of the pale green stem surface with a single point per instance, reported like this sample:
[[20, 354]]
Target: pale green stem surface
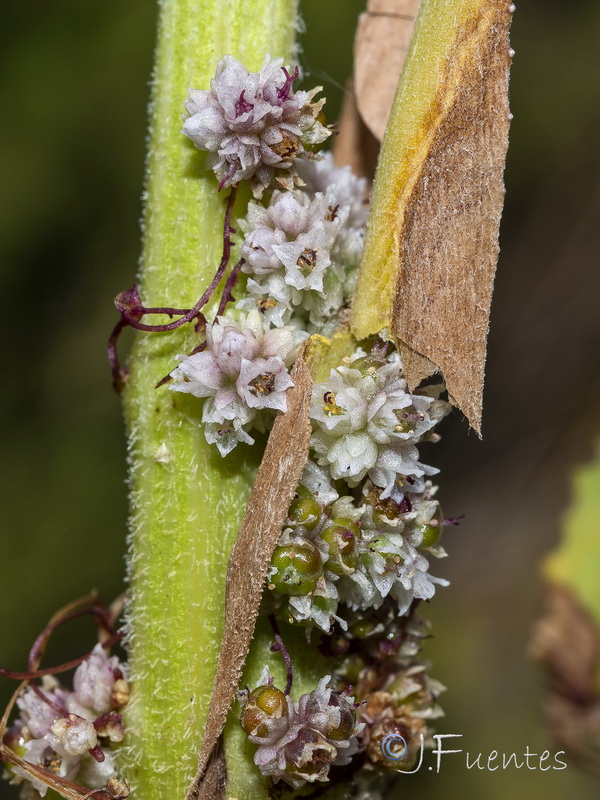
[[186, 501]]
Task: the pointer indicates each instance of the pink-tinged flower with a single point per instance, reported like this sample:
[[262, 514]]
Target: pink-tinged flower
[[94, 680], [253, 124], [319, 731], [243, 371]]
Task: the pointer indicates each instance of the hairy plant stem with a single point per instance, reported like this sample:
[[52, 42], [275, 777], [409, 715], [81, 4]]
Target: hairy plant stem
[[186, 502]]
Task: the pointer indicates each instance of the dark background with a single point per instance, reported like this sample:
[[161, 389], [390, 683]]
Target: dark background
[[74, 83]]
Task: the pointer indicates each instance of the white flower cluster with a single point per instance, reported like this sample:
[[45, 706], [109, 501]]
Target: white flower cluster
[[302, 250], [253, 124], [366, 423], [59, 729], [301, 254], [243, 371], [339, 555], [298, 742]]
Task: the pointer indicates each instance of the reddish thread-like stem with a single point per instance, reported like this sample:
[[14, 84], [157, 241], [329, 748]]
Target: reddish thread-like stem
[[279, 646], [99, 612], [62, 712], [132, 310], [32, 675], [228, 288]]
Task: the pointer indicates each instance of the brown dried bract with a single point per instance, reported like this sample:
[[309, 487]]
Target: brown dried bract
[[355, 145], [432, 239], [566, 642], [382, 40], [284, 459], [449, 245]]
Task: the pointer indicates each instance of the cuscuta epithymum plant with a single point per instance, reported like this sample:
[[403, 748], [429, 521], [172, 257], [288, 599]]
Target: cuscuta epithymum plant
[[301, 250], [352, 560], [352, 557], [63, 738]]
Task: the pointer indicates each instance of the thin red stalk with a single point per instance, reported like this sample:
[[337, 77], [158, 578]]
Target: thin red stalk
[[189, 316], [131, 313], [227, 289], [280, 646], [40, 643], [59, 709], [64, 667]]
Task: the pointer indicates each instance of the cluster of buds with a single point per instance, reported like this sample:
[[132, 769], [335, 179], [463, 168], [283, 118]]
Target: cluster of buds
[[253, 124], [302, 250], [301, 246], [70, 732], [397, 699], [298, 742]]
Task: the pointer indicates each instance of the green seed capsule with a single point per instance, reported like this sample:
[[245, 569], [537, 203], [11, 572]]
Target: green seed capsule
[[431, 535], [362, 629], [304, 511], [298, 568], [265, 702], [342, 537], [367, 365]]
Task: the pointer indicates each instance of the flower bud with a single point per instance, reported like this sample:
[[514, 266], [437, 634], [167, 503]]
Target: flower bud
[[111, 726], [120, 693], [75, 734]]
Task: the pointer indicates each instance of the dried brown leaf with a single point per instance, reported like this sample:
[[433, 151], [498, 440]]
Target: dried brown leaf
[[432, 242], [355, 145], [382, 39], [566, 642], [284, 459], [214, 781]]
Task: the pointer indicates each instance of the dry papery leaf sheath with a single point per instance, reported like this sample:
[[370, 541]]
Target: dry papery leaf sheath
[[432, 241], [382, 40]]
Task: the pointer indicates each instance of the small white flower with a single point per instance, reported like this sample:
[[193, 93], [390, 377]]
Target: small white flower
[[262, 383], [347, 195]]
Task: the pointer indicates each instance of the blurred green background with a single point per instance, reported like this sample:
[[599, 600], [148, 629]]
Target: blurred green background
[[74, 83]]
